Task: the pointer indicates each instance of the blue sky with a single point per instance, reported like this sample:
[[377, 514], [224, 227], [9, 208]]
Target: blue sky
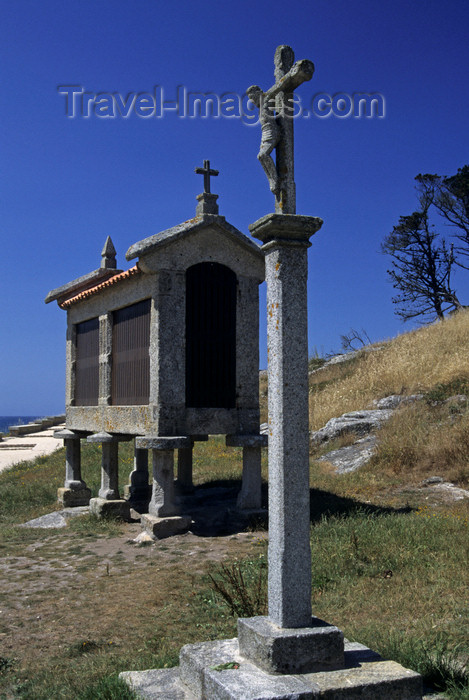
[[67, 183]]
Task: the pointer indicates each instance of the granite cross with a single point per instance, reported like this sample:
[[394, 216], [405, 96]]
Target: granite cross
[[276, 111], [206, 171]]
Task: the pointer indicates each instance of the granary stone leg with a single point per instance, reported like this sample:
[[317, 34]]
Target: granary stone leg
[[162, 501], [108, 504], [184, 470], [184, 464], [75, 492], [250, 496], [109, 465], [73, 464], [163, 519], [138, 492], [109, 471]]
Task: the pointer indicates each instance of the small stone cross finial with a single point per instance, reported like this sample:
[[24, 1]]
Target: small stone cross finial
[[108, 255], [206, 171]]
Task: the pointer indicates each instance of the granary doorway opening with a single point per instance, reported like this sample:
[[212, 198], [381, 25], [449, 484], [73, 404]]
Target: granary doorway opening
[[210, 336]]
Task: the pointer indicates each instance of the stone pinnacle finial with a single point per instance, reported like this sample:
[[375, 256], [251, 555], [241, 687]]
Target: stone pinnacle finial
[[206, 202], [108, 255]]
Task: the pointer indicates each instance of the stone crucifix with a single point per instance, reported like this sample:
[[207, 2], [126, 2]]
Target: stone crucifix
[[276, 118]]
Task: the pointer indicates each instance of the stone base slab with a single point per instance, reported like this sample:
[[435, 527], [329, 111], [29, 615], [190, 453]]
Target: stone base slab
[[71, 498], [203, 675], [110, 509], [319, 647], [165, 527], [161, 684]]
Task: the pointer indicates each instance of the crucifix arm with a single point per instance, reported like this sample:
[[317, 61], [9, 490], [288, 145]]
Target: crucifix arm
[[299, 73]]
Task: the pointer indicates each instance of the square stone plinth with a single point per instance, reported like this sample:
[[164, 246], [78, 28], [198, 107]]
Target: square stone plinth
[[319, 647], [165, 527], [102, 508], [71, 498]]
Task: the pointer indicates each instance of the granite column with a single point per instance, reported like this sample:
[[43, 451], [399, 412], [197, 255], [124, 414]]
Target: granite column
[[285, 241]]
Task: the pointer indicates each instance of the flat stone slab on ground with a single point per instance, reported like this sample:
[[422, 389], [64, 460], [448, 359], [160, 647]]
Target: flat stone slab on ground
[[373, 681], [57, 519], [165, 527], [161, 684]]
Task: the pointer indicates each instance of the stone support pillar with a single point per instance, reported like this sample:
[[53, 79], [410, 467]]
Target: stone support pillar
[[108, 503], [162, 502], [138, 492], [73, 463], [184, 471], [184, 464], [109, 471], [109, 490], [75, 492], [250, 496], [285, 241]]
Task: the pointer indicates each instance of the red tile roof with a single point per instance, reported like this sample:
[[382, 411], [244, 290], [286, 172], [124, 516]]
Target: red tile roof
[[103, 285]]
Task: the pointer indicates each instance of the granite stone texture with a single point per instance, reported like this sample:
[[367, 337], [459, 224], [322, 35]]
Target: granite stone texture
[[162, 501], [194, 659], [319, 647], [73, 497], [165, 526], [163, 261], [250, 496], [275, 116], [104, 508], [138, 491], [372, 681], [217, 671], [161, 684], [250, 683], [286, 239]]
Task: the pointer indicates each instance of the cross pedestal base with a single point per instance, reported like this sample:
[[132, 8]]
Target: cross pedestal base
[[217, 671], [274, 649]]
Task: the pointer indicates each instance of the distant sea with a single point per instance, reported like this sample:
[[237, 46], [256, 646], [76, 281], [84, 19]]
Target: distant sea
[[6, 421]]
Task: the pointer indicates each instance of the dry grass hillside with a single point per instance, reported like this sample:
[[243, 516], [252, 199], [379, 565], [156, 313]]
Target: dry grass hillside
[[426, 438], [414, 362], [429, 437]]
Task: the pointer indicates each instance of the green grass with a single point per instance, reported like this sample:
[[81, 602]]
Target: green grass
[[395, 580]]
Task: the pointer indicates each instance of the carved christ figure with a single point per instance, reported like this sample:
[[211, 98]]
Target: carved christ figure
[[276, 118], [271, 134]]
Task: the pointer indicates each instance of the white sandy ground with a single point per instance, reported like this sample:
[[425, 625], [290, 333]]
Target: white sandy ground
[[28, 447]]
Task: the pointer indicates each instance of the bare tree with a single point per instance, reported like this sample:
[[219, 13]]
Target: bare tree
[[450, 196], [421, 265], [354, 340]]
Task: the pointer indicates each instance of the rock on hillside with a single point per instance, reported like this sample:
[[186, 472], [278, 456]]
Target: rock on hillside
[[352, 457]]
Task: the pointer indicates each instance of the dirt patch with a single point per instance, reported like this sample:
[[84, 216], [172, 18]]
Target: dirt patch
[[65, 587]]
